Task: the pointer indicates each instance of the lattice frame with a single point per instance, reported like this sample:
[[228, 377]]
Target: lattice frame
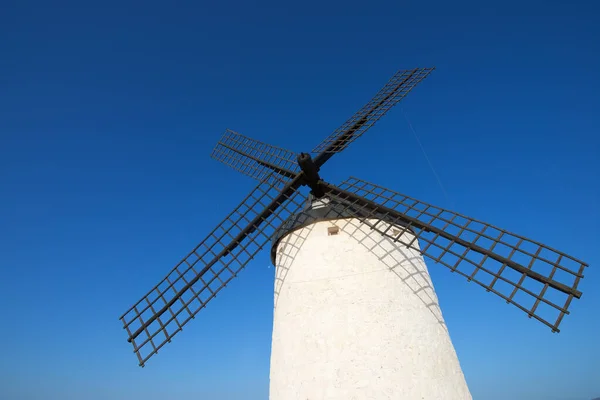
[[399, 85], [537, 279], [209, 267], [252, 157]]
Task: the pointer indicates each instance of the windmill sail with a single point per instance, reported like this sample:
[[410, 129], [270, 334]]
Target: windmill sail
[[395, 90], [254, 158], [195, 280], [535, 278]]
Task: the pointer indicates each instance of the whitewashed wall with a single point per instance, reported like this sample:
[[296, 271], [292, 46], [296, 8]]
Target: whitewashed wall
[[356, 317]]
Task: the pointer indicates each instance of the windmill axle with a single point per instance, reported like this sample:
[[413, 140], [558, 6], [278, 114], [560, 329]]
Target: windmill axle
[[311, 174]]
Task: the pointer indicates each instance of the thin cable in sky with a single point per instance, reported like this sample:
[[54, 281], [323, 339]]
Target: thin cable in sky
[[437, 177]]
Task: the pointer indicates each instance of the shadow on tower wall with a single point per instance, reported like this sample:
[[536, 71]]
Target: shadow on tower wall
[[405, 263]]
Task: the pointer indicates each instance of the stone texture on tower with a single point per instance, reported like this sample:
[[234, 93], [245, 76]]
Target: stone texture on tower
[[356, 315]]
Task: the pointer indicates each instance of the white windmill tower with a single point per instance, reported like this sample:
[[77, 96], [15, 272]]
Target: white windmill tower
[[355, 312], [356, 315]]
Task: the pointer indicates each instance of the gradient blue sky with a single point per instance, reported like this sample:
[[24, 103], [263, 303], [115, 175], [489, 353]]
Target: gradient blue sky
[[109, 111]]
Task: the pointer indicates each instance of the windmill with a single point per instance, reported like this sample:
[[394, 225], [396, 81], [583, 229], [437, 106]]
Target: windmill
[[355, 312]]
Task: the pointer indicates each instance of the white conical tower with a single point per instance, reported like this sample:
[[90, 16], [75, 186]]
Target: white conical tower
[[356, 315]]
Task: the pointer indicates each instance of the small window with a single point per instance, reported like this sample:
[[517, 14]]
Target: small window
[[396, 232], [333, 230]]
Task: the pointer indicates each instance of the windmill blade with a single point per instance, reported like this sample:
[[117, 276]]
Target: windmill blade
[[210, 266], [254, 158], [395, 90], [535, 278]]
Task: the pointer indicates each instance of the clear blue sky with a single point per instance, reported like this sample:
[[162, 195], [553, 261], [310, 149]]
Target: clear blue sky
[[108, 114]]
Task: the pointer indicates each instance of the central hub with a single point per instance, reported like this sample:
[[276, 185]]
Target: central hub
[[311, 174]]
